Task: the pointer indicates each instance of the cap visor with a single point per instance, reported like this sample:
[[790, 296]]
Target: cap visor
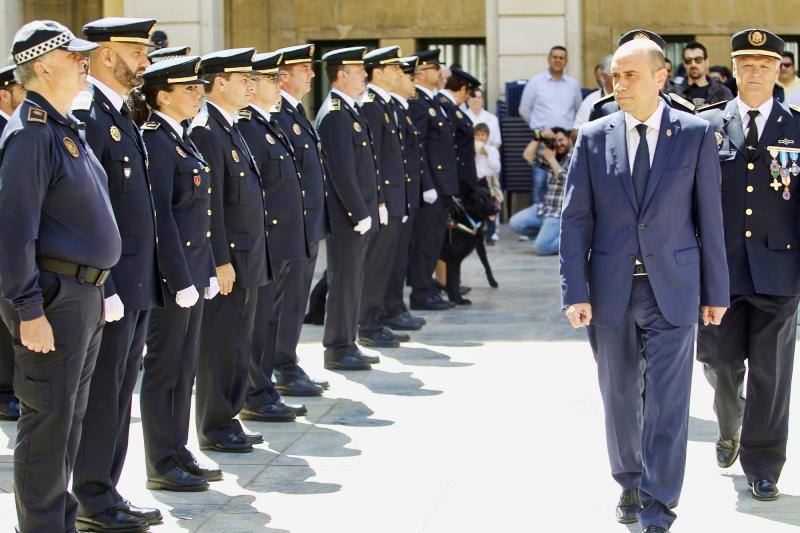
[[79, 45]]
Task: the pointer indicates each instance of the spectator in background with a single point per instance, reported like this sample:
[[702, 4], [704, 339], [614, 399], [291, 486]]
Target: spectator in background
[[787, 78], [721, 74], [598, 74], [487, 167], [551, 98], [474, 109], [159, 39], [544, 219], [607, 87], [698, 87]]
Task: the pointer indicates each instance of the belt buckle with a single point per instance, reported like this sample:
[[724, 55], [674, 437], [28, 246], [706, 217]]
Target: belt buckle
[[101, 279]]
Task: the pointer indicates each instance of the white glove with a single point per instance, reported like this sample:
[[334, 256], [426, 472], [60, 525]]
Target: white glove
[[113, 308], [212, 289], [404, 219], [429, 196], [383, 214], [187, 297], [363, 225]]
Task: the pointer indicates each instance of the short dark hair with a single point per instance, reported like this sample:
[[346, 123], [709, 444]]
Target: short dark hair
[[481, 127], [788, 54], [559, 129], [370, 70], [722, 71], [695, 45], [208, 87], [332, 71], [557, 47], [455, 83]]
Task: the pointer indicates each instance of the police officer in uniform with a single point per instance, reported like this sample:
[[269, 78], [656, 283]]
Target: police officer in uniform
[[160, 54], [758, 140], [295, 81], [607, 105], [182, 192], [52, 268], [286, 239], [240, 253], [396, 314], [383, 69], [133, 287], [439, 153], [352, 204], [11, 96]]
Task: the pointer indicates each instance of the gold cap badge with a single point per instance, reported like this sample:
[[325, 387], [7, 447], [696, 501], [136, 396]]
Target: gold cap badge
[[756, 38]]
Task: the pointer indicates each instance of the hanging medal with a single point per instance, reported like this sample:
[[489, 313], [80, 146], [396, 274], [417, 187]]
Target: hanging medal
[[793, 171], [786, 175], [774, 168]]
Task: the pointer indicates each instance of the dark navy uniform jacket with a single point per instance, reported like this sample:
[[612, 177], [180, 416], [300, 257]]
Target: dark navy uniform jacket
[[117, 143], [239, 233], [345, 134], [417, 180], [437, 143], [309, 155], [182, 193], [388, 149], [3, 123], [53, 202], [464, 137], [762, 230], [281, 181]]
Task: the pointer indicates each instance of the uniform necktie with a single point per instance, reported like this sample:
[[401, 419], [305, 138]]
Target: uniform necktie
[[751, 140], [641, 164], [125, 110], [301, 110]]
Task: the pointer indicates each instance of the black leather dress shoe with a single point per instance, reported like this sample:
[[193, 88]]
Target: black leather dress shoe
[[10, 410], [297, 387], [206, 472], [112, 520], [402, 322], [347, 362], [727, 452], [252, 438], [230, 444], [314, 319], [401, 337], [269, 412], [765, 490], [150, 515], [371, 359], [378, 339], [655, 529], [177, 480], [321, 383], [463, 289], [298, 408], [431, 303], [629, 504]]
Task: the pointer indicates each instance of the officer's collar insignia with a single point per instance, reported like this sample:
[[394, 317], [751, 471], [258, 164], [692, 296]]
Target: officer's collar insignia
[[115, 134], [780, 119], [334, 104], [71, 147], [151, 125], [172, 134], [270, 139], [37, 115], [786, 142], [296, 128], [180, 152], [756, 38], [728, 115], [105, 106], [443, 99], [235, 156], [357, 127], [226, 128], [369, 97], [277, 107], [245, 114], [458, 114], [431, 111], [720, 138]]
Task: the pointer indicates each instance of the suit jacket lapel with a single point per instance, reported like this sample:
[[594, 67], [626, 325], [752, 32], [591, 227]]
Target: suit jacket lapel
[[618, 154], [733, 126], [667, 137]]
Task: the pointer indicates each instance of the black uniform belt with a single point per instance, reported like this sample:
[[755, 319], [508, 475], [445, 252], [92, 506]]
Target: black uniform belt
[[639, 270], [82, 273]]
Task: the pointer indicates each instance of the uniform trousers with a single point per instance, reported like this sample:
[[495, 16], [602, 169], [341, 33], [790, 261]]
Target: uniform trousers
[[426, 247], [53, 390], [6, 365], [379, 263], [260, 389], [292, 292], [646, 437], [104, 438], [173, 344], [760, 329], [346, 252], [393, 301], [226, 342]]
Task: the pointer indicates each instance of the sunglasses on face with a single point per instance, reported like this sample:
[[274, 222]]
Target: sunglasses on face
[[689, 60]]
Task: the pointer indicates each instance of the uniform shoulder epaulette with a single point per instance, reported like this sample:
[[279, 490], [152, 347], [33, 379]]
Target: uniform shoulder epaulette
[[82, 102], [244, 114], [199, 121], [368, 97], [36, 114], [150, 125], [795, 109], [277, 107], [443, 99], [334, 104], [602, 101], [711, 106], [682, 101]]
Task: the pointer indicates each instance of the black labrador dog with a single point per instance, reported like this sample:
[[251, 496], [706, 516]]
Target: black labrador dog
[[466, 231]]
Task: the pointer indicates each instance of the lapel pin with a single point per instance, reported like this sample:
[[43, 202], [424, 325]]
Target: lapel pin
[[669, 133]]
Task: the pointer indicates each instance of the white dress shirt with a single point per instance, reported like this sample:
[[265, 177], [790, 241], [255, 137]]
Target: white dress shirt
[[291, 99], [547, 102], [585, 110], [4, 115], [426, 91], [114, 97], [402, 101], [172, 122], [761, 120], [222, 111], [261, 111], [632, 134]]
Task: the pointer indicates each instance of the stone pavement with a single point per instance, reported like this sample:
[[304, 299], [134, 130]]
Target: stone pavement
[[489, 422]]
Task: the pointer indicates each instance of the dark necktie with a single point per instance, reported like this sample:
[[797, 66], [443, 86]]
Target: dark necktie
[[751, 140], [641, 164], [301, 110], [125, 110]]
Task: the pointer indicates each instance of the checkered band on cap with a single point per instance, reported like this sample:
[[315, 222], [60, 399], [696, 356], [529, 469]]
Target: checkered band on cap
[[42, 48]]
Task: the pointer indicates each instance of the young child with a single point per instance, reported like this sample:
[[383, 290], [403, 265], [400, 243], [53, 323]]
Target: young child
[[487, 164]]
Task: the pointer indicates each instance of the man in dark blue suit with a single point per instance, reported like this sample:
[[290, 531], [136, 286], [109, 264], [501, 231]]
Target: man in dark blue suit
[[642, 249]]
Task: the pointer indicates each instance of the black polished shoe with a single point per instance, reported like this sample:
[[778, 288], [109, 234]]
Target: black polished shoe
[[269, 412], [401, 337], [463, 289], [177, 480], [347, 362], [298, 408], [314, 319], [431, 303], [655, 529], [252, 438], [230, 444], [150, 515], [297, 387], [402, 322], [321, 383], [765, 490], [371, 359], [10, 410], [378, 339], [206, 472], [727, 452], [629, 504], [111, 520]]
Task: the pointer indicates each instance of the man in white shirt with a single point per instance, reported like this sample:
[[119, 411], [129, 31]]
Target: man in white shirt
[[551, 98], [582, 116]]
